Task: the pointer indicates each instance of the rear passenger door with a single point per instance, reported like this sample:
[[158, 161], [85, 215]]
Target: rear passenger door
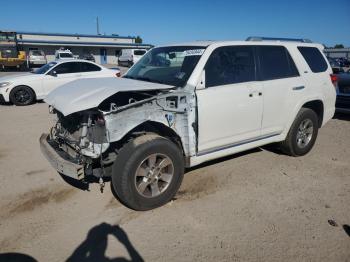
[[230, 105], [282, 87]]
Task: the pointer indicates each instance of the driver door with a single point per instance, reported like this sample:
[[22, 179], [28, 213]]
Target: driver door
[[60, 75], [230, 106]]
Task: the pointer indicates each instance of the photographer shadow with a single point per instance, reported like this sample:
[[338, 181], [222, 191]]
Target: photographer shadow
[[94, 246]]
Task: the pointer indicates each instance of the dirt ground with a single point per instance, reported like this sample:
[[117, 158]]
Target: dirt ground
[[255, 206]]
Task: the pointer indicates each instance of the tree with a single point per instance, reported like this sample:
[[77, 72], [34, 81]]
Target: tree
[[138, 40], [339, 46]]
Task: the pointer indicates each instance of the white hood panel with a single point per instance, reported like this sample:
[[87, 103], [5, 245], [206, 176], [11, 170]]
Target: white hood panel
[[88, 93]]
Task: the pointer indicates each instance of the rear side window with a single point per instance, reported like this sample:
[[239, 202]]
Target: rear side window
[[230, 65], [276, 63], [313, 58], [88, 67]]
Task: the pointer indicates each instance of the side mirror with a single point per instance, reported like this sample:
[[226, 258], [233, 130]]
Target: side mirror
[[53, 73], [201, 81]]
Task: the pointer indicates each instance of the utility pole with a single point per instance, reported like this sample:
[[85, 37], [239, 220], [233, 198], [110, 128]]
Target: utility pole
[[97, 26]]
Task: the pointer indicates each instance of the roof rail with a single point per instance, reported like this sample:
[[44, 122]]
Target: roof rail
[[259, 38]]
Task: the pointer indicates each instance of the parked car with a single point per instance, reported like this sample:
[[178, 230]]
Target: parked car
[[24, 89], [36, 57], [88, 57], [209, 100], [343, 93], [64, 55], [128, 57]]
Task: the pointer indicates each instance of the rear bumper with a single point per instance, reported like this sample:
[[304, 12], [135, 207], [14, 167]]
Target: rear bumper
[[37, 62], [60, 160]]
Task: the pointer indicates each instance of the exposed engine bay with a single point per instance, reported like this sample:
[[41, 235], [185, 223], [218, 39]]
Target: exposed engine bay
[[92, 137]]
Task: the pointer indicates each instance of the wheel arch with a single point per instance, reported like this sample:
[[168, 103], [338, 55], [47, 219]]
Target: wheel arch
[[318, 107], [152, 127], [35, 97]]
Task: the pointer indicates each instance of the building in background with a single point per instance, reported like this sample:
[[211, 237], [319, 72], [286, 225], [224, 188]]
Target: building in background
[[337, 52], [104, 48]]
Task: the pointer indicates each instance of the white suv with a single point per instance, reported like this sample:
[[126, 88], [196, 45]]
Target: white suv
[[128, 57], [186, 104]]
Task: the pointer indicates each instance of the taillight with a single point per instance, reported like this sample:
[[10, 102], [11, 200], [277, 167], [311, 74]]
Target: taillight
[[334, 79], [118, 74]]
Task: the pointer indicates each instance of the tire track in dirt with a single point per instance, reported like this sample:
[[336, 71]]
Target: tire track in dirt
[[31, 200]]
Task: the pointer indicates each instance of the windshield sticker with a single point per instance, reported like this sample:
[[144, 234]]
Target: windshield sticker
[[194, 52]]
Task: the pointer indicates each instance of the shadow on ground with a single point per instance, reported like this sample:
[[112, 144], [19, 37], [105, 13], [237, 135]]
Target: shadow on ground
[[93, 248], [16, 257], [342, 116], [347, 229]]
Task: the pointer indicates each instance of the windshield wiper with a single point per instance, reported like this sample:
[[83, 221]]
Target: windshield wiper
[[129, 77], [147, 79]]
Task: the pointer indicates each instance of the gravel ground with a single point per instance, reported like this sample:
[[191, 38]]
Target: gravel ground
[[255, 206]]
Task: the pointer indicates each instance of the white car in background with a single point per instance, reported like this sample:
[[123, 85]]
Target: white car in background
[[64, 55], [36, 57], [24, 89], [128, 57]]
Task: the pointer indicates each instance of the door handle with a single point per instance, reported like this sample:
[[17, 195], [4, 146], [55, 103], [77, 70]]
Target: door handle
[[298, 87], [251, 94]]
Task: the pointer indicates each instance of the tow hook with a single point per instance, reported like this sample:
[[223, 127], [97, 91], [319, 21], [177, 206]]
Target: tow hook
[[102, 184]]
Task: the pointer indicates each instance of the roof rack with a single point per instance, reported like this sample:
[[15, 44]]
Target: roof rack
[[259, 38]]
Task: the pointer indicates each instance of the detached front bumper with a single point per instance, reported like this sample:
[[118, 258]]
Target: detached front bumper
[[60, 160]]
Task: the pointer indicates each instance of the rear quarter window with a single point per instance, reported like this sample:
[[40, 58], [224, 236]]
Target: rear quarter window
[[313, 58]]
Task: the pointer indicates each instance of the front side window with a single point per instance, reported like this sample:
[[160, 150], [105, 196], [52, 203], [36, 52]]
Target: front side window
[[45, 68], [171, 65], [230, 65], [67, 68], [276, 63], [313, 58]]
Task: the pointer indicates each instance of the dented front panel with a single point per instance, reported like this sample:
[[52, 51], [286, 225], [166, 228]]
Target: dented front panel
[[175, 109]]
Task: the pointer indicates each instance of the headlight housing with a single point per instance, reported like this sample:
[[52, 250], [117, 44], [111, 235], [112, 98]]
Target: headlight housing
[[3, 84]]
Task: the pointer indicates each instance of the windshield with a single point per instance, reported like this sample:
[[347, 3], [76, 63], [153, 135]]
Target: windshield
[[167, 65], [36, 53], [44, 68], [66, 55], [9, 52]]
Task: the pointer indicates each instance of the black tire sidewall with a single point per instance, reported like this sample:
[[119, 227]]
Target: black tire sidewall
[[16, 89], [129, 159], [305, 114]]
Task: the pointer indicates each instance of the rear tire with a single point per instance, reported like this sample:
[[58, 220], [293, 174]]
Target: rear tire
[[147, 172], [302, 134], [22, 96]]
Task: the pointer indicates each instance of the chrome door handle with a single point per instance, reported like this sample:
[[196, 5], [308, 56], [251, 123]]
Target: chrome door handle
[[298, 87]]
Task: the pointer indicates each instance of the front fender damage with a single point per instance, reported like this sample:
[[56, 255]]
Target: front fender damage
[[175, 109]]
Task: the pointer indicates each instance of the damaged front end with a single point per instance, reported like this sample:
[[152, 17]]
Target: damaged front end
[[86, 143]]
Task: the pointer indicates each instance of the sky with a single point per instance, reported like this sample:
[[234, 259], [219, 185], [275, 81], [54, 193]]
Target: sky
[[164, 22]]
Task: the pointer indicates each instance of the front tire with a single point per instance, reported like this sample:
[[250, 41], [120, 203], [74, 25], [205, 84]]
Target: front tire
[[22, 96], [302, 134], [147, 172]]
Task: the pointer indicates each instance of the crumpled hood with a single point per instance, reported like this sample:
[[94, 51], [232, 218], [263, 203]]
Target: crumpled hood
[[88, 93]]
